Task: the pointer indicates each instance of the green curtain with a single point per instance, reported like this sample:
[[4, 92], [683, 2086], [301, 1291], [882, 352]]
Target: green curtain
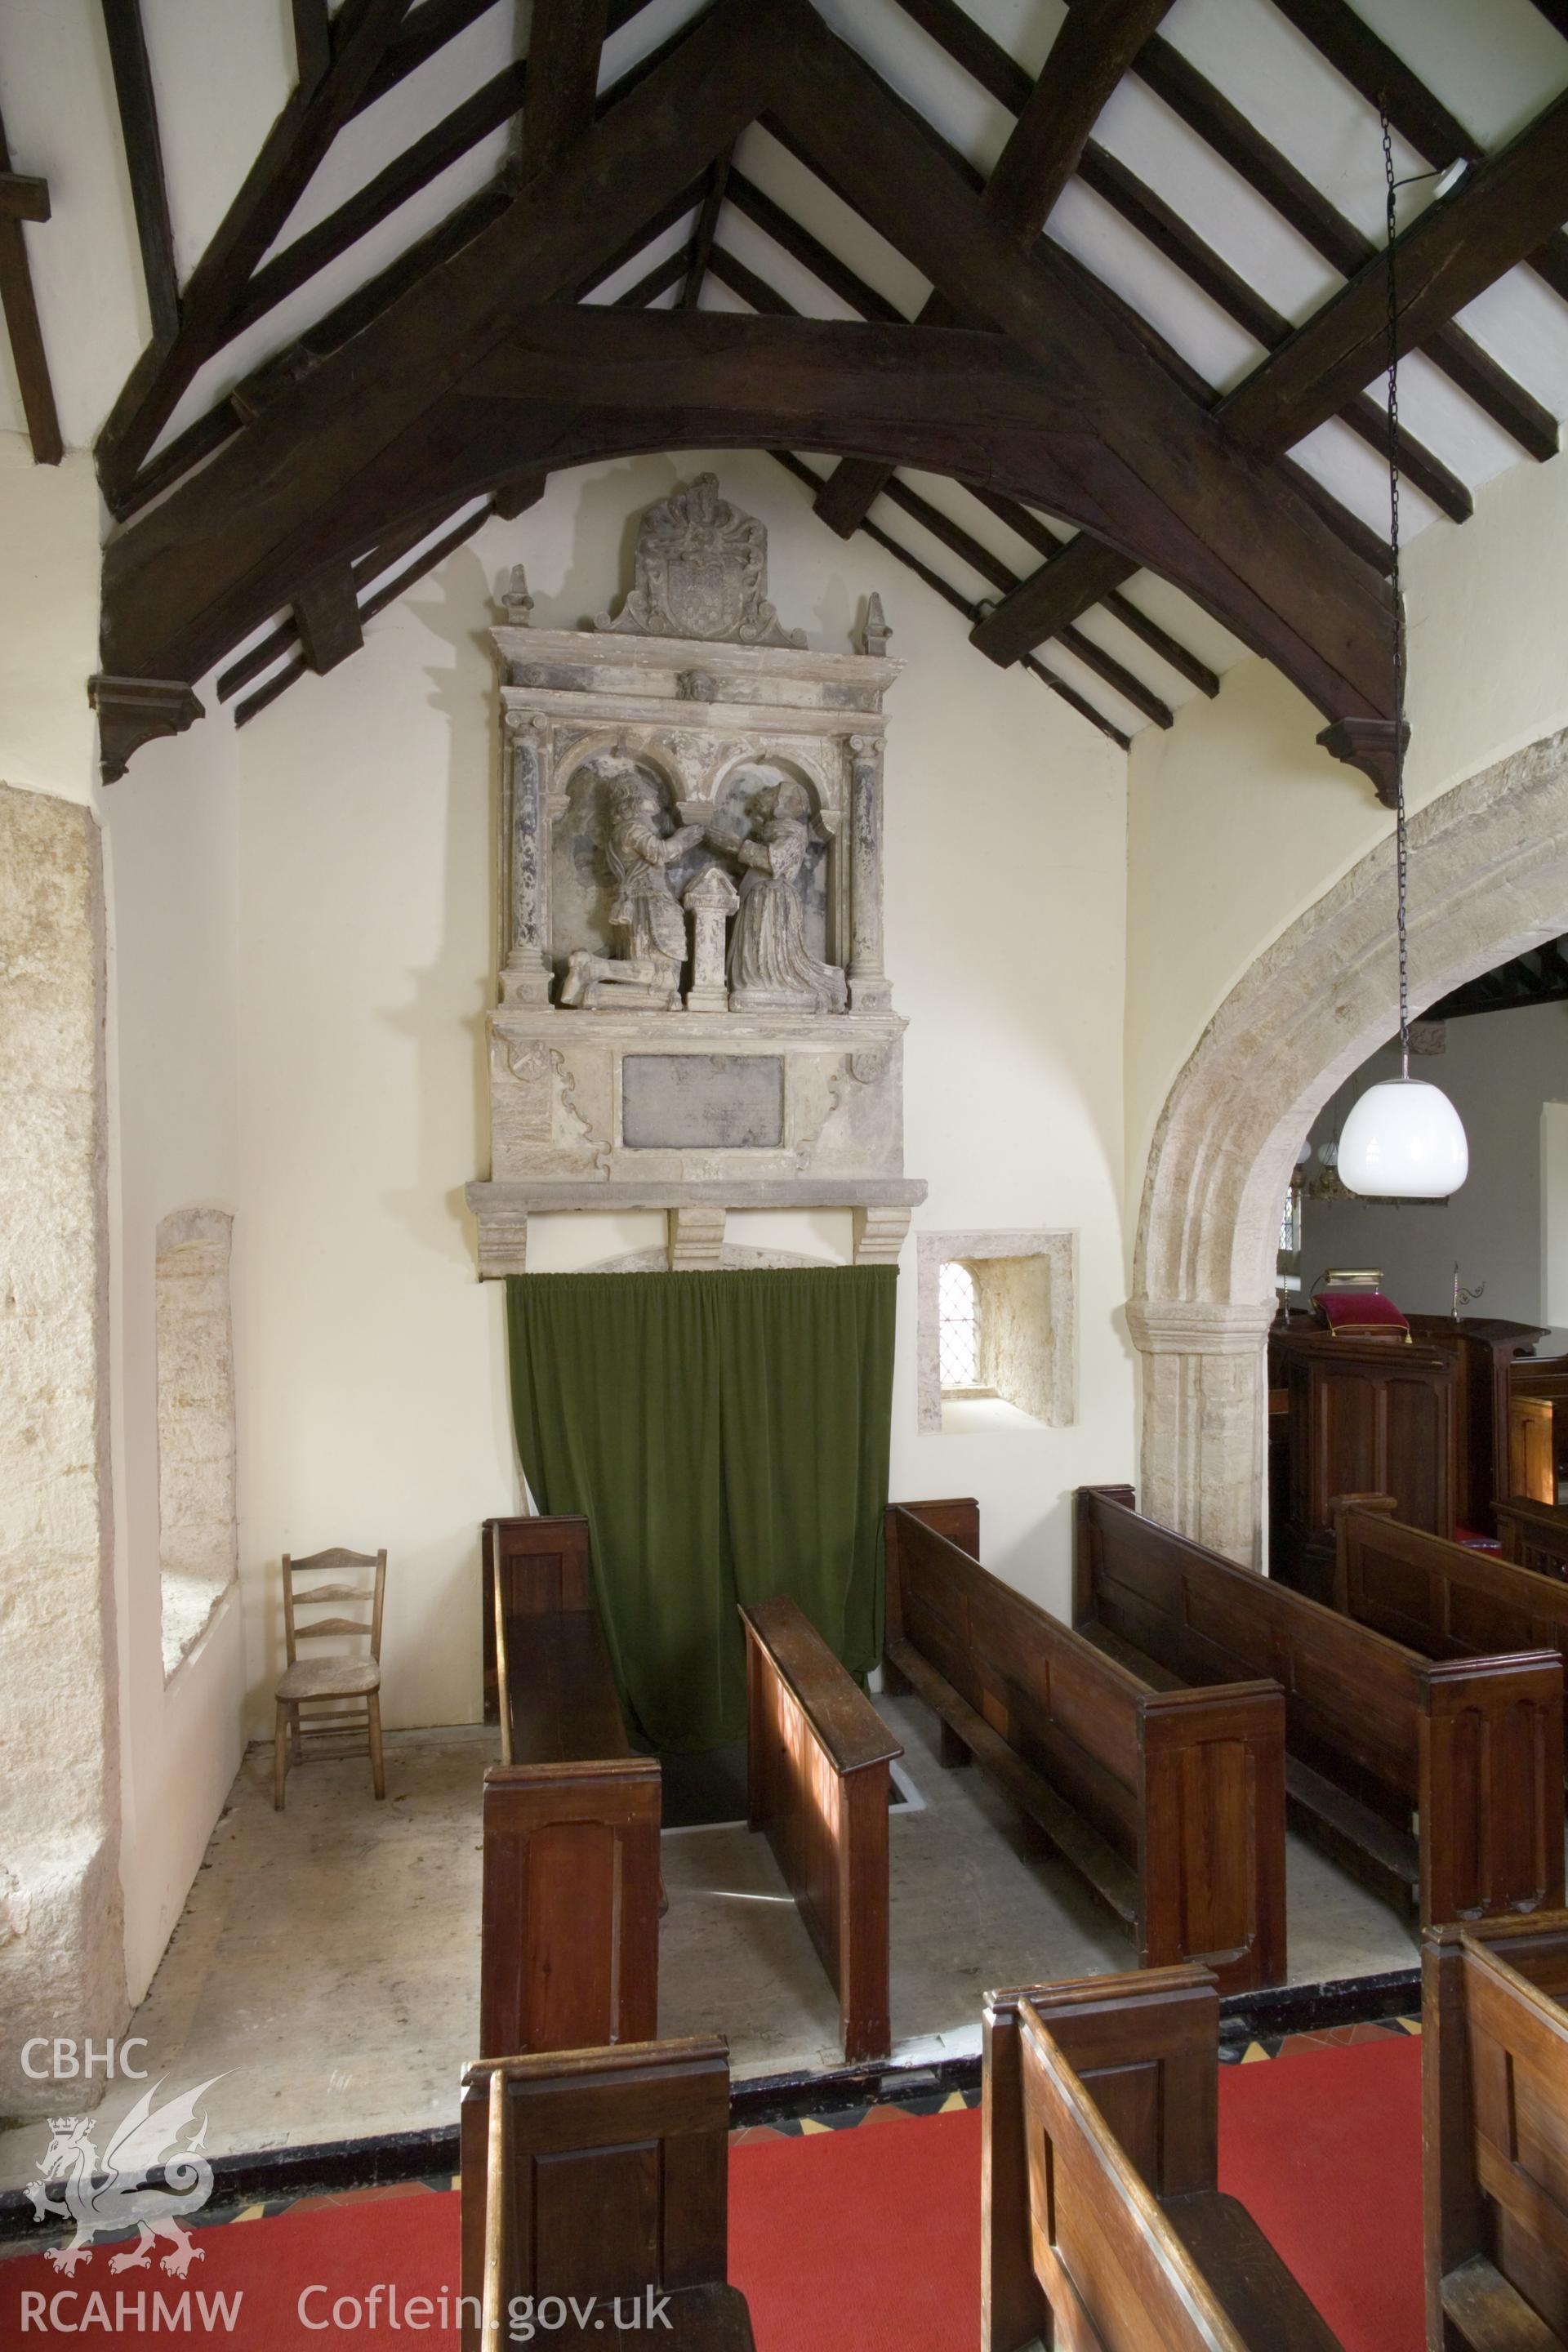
[[726, 1436]]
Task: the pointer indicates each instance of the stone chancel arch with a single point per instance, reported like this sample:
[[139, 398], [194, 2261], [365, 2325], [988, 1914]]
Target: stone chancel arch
[[1491, 856]]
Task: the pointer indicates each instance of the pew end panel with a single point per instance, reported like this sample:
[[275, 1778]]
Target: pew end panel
[[1490, 1800], [1125, 2263], [1495, 2168], [818, 1764], [956, 1517], [1145, 2045], [531, 1567], [569, 1954], [600, 2173], [1211, 1826], [1534, 1536], [1087, 1558]]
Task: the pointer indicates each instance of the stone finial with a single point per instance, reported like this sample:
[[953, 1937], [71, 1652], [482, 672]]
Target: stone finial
[[875, 633], [515, 596], [700, 571]]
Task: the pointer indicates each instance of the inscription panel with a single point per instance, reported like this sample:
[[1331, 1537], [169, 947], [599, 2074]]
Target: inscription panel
[[717, 1101]]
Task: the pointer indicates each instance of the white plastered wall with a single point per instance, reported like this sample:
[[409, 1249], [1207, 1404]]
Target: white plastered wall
[[170, 830], [1237, 822], [166, 847], [373, 1395]]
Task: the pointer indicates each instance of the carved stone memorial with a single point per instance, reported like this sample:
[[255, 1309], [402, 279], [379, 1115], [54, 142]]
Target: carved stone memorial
[[694, 1014]]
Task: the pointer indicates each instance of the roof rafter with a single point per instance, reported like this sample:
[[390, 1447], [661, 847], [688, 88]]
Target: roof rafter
[[1093, 52], [451, 385], [23, 198], [271, 188], [564, 41], [1225, 129], [144, 163], [1380, 74], [745, 282], [855, 133], [1453, 252]]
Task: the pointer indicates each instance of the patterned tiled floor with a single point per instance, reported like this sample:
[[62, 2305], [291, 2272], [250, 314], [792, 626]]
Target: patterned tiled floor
[[880, 2113]]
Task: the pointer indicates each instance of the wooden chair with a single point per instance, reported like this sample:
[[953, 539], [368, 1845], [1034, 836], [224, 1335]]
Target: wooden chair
[[335, 1683], [600, 2178]]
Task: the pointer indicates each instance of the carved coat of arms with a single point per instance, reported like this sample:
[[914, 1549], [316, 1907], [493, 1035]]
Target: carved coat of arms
[[701, 570]]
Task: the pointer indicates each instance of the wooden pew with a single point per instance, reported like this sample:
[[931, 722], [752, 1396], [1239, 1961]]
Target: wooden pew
[[1169, 1803], [1446, 1600], [1494, 2064], [600, 2177], [817, 1760], [1471, 1747], [1534, 1536], [1102, 2220], [569, 1954]]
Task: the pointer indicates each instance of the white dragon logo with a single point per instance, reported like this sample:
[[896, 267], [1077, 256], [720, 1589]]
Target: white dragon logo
[[117, 2195]]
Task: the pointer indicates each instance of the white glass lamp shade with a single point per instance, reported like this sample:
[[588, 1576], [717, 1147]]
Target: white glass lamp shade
[[1404, 1141]]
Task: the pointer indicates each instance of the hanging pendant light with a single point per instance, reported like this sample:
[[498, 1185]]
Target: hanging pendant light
[[1403, 1139]]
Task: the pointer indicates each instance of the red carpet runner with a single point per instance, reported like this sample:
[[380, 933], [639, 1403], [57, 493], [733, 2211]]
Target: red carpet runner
[[858, 2240]]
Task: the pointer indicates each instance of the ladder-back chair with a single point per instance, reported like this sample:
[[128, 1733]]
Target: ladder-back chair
[[343, 1693]]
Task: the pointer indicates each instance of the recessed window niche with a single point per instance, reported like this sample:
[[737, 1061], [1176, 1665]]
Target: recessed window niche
[[995, 1319], [198, 1547]]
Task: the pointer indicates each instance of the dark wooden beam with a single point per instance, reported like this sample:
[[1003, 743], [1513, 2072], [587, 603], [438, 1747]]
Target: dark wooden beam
[[426, 29], [1556, 15], [1362, 541], [704, 233], [326, 614], [387, 594], [494, 103], [565, 38], [312, 42], [1378, 74], [1171, 237], [289, 155], [1450, 254], [1083, 572], [453, 389], [825, 265], [144, 163], [508, 499], [21, 309], [1128, 405], [659, 280], [744, 281], [1093, 51], [1170, 650], [400, 361], [1089, 56], [1235, 139]]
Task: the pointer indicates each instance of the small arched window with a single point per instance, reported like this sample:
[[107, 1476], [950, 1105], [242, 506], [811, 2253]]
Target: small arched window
[[958, 1311]]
